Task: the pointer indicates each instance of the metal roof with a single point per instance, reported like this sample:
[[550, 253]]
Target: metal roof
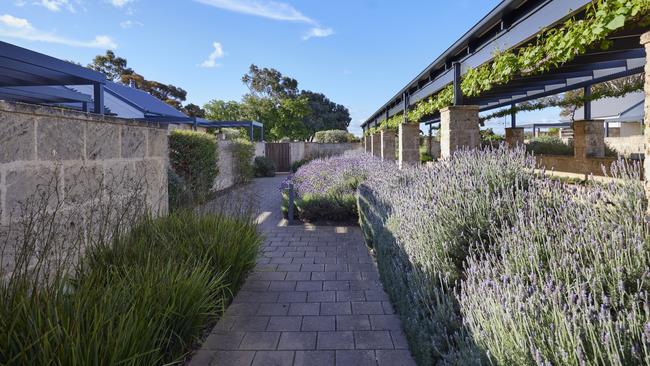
[[512, 24], [624, 109]]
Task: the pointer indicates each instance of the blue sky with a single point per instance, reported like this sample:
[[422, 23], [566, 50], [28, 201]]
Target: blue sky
[[357, 52]]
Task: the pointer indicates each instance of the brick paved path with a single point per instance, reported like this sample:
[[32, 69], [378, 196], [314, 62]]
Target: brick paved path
[[313, 299]]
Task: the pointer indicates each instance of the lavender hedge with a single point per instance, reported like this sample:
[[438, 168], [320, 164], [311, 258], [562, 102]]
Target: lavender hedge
[[470, 248], [326, 187]]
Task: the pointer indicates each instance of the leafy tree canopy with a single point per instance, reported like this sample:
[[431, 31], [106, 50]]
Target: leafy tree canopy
[[325, 114], [220, 110], [270, 83]]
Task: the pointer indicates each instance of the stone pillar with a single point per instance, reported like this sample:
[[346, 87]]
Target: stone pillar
[[388, 138], [365, 142], [588, 139], [376, 145], [514, 136], [409, 144], [645, 40], [459, 128]]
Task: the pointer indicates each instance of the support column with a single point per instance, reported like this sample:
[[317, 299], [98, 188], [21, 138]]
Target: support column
[[365, 142], [409, 144], [459, 129], [645, 40], [514, 136], [370, 138], [388, 144], [376, 145], [588, 139]]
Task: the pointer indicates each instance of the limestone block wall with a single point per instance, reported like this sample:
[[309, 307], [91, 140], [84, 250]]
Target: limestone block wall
[[459, 128], [588, 139], [68, 177], [570, 164], [260, 148], [225, 165]]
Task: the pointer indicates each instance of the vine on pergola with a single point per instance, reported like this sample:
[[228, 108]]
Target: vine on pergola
[[552, 48]]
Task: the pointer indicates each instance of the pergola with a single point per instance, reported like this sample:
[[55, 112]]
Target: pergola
[[249, 125], [509, 26], [32, 77]]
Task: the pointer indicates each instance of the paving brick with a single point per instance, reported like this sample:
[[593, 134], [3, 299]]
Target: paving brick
[[256, 285], [233, 358], [321, 296], [290, 296], [372, 339], [280, 260], [309, 286], [347, 276], [322, 276], [399, 339], [284, 323], [314, 358], [282, 286], [352, 322], [299, 276], [388, 307], [336, 285], [242, 309], [273, 358], [335, 308], [336, 267], [319, 323], [394, 358], [385, 322], [312, 267], [355, 358], [273, 309], [335, 340], [376, 295], [297, 341], [307, 260], [223, 341], [250, 323], [304, 309], [350, 296], [256, 296], [365, 285], [260, 341], [367, 307]]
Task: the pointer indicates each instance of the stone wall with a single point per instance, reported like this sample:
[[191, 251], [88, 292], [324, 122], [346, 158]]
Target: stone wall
[[225, 165], [80, 175], [570, 164]]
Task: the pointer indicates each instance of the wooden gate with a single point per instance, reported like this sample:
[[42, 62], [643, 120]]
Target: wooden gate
[[278, 152]]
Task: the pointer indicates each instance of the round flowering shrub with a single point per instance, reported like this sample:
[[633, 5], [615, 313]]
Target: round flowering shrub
[[326, 187], [568, 281]]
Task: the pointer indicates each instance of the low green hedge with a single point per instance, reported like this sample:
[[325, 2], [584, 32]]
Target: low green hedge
[[264, 167], [333, 137], [143, 299], [193, 167], [243, 152]]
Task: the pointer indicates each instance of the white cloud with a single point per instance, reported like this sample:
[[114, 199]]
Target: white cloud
[[120, 3], [271, 10], [56, 5], [318, 32], [130, 24], [20, 28], [261, 8], [214, 56]]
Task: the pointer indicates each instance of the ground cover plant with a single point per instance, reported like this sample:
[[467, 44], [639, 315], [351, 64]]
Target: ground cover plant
[[142, 298], [487, 263], [326, 187]]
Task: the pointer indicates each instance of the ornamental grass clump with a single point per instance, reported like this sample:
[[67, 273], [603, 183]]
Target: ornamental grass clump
[[422, 223], [326, 187], [567, 282]]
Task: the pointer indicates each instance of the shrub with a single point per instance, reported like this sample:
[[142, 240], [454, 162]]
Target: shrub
[[298, 163], [549, 145], [567, 281], [243, 152], [326, 188], [333, 137], [142, 299], [489, 138], [422, 223], [264, 167], [193, 160]]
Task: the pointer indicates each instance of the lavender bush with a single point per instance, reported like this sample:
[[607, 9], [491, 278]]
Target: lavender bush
[[488, 264], [326, 187], [422, 223], [567, 283]]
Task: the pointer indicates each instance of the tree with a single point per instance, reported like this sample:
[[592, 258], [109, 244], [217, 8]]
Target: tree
[[194, 110], [111, 66], [325, 114], [283, 119], [220, 110], [270, 83], [115, 68]]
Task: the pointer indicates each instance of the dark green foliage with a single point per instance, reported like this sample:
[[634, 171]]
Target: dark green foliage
[[243, 152], [333, 137], [143, 299], [193, 158], [549, 145], [325, 114], [489, 138], [330, 207], [264, 167], [298, 163]]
